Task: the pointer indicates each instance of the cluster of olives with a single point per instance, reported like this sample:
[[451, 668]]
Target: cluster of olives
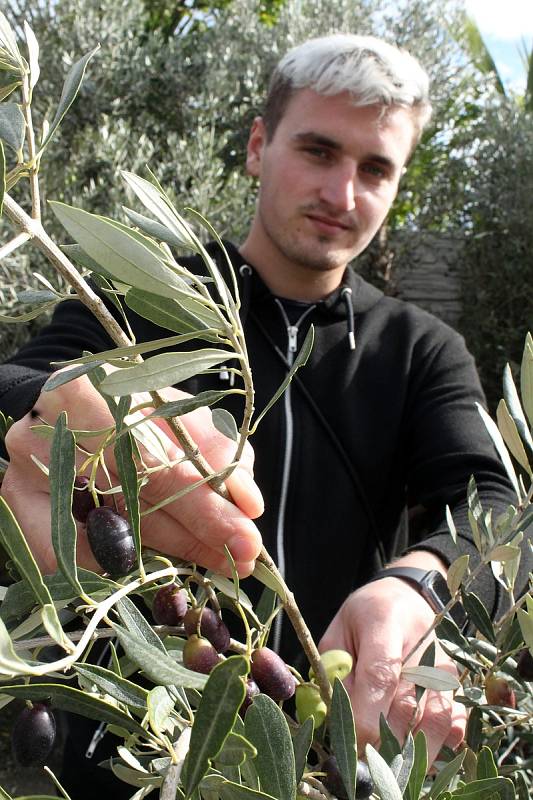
[[33, 735], [208, 637]]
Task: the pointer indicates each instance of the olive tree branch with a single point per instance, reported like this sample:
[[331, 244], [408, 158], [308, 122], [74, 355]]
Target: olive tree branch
[[34, 228], [89, 298]]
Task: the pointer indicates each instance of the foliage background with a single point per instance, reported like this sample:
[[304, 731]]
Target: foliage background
[[176, 86]]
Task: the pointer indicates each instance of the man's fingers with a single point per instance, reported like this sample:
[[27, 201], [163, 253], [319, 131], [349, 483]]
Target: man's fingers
[[405, 712], [375, 679], [245, 493], [443, 723]]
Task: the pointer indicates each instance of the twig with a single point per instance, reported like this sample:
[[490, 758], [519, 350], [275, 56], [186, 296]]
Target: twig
[[12, 245]]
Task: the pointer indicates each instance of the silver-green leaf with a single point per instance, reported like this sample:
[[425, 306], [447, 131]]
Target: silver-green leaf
[[12, 126], [70, 89], [267, 729], [162, 371]]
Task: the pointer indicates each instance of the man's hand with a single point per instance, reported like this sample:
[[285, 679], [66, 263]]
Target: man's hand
[[195, 528], [379, 624]]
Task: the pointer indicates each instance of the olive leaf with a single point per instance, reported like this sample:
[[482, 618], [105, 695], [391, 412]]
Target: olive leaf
[[67, 375], [456, 573], [225, 423], [10, 663], [124, 254], [443, 778], [301, 742], [526, 378], [382, 775], [418, 769], [2, 176], [160, 706], [500, 447], [162, 371], [33, 53], [20, 598], [67, 698], [62, 475], [137, 624], [267, 729], [13, 541], [478, 615], [266, 577], [299, 361], [221, 699], [515, 409], [41, 309], [184, 316], [129, 694], [153, 228], [156, 202], [12, 126], [511, 436], [431, 678], [69, 92], [158, 666], [343, 737]]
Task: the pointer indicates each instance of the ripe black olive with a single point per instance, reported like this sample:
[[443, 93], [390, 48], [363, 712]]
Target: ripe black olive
[[252, 690], [199, 655], [212, 627], [524, 664], [82, 499], [364, 785], [111, 540], [170, 605], [272, 675], [33, 735]]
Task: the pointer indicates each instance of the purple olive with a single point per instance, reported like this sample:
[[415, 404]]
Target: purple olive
[[199, 655], [170, 605], [212, 627], [364, 785], [82, 499], [252, 690], [272, 674], [524, 664], [33, 735], [111, 540]]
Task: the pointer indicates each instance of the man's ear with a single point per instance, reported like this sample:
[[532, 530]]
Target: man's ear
[[256, 144]]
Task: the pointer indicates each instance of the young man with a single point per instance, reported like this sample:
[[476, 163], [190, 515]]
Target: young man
[[381, 419]]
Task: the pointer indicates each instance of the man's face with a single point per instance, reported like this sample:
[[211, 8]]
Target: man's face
[[328, 178]]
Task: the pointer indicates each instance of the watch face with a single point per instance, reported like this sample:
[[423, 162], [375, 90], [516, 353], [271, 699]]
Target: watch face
[[439, 595], [439, 587]]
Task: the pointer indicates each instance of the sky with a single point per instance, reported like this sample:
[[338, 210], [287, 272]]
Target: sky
[[505, 25]]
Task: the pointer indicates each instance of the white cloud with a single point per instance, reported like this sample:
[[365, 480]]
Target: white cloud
[[503, 19]]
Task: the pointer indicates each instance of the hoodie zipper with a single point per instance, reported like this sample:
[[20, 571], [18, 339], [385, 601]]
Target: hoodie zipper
[[292, 347]]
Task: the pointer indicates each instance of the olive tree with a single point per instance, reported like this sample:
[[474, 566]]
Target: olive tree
[[200, 727]]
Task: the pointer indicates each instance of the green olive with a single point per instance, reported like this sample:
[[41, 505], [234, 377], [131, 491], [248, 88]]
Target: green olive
[[337, 663], [310, 704]]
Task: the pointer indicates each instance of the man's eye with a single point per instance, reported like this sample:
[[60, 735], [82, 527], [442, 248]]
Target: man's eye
[[377, 170], [318, 152]]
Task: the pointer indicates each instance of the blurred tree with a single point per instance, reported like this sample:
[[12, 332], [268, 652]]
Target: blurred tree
[[180, 97]]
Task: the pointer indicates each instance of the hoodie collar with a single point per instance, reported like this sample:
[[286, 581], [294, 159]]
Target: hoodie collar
[[363, 295]]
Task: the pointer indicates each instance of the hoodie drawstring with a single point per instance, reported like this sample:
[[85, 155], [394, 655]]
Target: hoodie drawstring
[[346, 294]]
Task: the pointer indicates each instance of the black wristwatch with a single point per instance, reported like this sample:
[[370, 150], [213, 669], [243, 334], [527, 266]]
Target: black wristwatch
[[431, 585]]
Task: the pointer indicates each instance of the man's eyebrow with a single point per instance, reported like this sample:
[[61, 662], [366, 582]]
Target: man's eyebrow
[[310, 137]]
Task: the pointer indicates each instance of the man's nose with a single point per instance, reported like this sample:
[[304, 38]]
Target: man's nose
[[339, 189]]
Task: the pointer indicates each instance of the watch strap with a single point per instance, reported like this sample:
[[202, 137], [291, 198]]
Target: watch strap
[[422, 580]]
